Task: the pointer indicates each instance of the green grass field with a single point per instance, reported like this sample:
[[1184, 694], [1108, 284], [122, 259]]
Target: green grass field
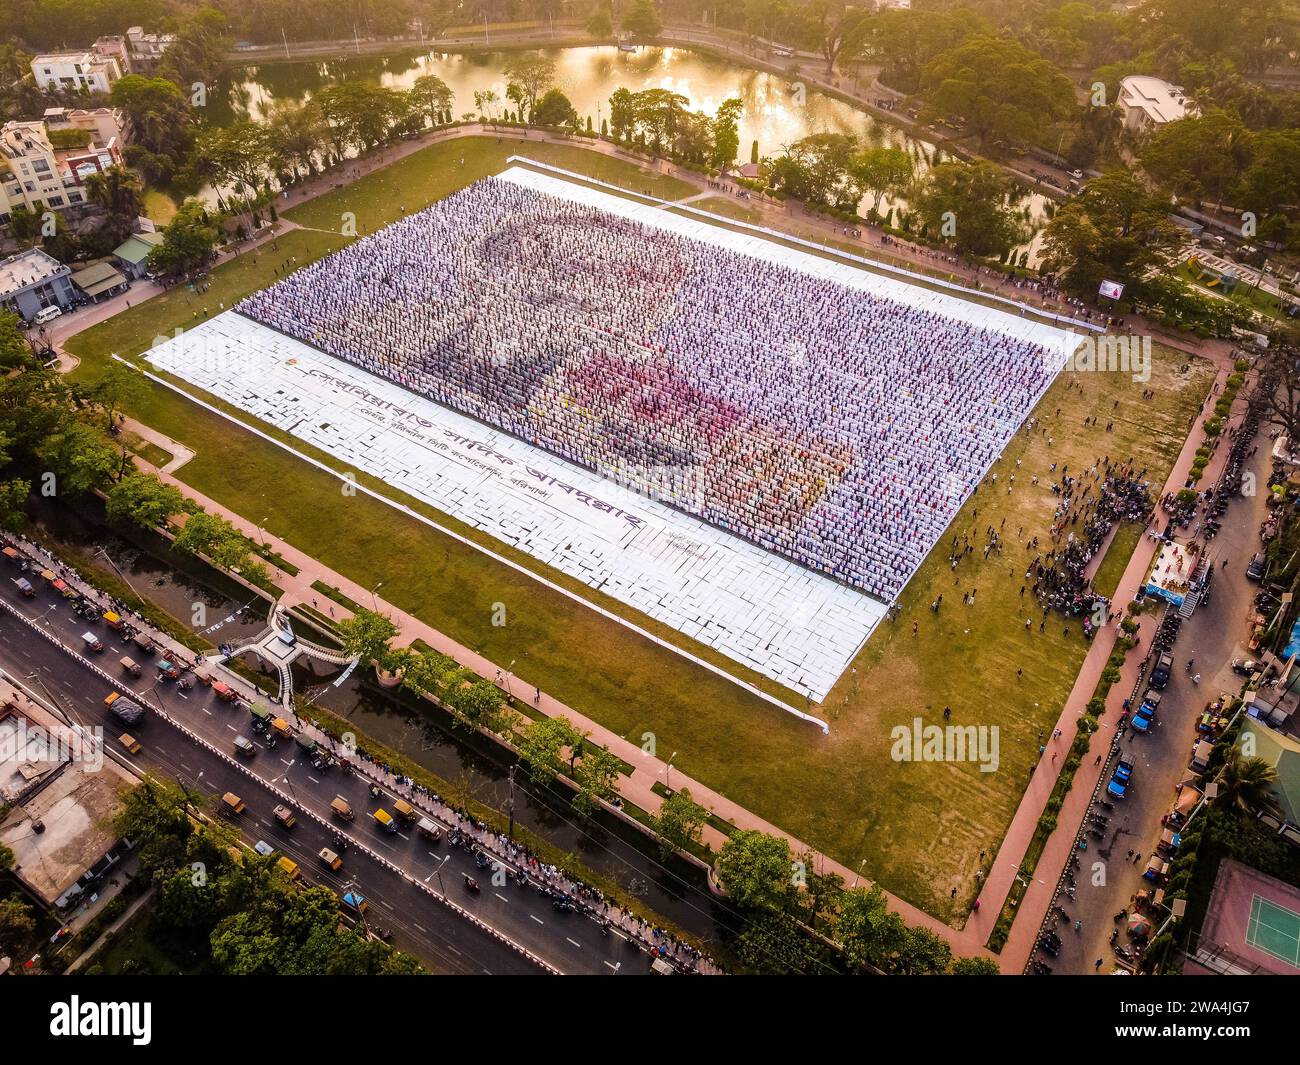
[[918, 828]]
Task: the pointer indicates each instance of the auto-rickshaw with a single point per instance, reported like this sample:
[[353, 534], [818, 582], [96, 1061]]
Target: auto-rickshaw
[[285, 816], [113, 620], [143, 641], [404, 810], [341, 808], [24, 586], [305, 743], [232, 803], [331, 860], [11, 555], [92, 642], [129, 742], [385, 820], [224, 692], [167, 669], [262, 718], [244, 746], [289, 867], [130, 665]]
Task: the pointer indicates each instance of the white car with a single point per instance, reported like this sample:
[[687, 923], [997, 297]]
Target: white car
[[263, 848]]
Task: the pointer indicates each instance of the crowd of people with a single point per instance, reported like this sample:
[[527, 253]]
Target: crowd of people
[[827, 424], [1091, 503]]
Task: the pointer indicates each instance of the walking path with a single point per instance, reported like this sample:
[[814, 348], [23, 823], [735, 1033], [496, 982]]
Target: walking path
[[638, 788], [1033, 906]]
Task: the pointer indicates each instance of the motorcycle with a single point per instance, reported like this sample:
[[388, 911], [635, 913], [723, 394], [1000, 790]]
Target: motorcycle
[[470, 883]]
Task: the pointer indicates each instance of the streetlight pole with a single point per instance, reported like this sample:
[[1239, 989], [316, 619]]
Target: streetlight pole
[[510, 832], [668, 773], [374, 601]]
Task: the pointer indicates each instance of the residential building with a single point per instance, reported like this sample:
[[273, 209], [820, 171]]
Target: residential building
[[38, 176], [81, 71], [32, 280], [136, 52], [1149, 102]]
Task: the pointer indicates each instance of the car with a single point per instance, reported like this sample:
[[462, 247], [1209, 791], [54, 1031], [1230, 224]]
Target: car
[[1255, 571], [1145, 715], [1122, 778], [263, 848], [1163, 671]]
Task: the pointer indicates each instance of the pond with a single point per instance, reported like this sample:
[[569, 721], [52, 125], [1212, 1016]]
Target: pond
[[777, 111]]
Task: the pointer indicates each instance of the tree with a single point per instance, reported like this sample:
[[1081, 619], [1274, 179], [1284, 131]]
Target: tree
[[622, 113], [431, 97], [188, 245], [975, 967], [541, 744], [533, 73], [726, 133], [78, 457], [160, 118], [358, 114], [213, 536], [881, 171], [142, 499], [597, 776], [236, 156], [680, 822], [756, 869], [658, 113], [815, 169], [642, 20], [199, 52], [867, 929], [121, 196], [366, 635], [1202, 156], [1114, 229], [600, 23], [555, 109], [16, 925], [295, 137], [840, 30], [122, 385], [1247, 782], [1003, 92], [966, 204], [1282, 366]]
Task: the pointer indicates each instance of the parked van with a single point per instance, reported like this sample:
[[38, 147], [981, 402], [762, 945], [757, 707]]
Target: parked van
[[48, 314], [289, 868], [1201, 756], [232, 803]]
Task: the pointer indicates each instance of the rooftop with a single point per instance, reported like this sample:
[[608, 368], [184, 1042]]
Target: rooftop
[[28, 268], [136, 248], [1161, 101]]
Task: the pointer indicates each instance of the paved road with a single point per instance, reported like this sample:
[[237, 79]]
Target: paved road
[[1213, 636], [569, 942]]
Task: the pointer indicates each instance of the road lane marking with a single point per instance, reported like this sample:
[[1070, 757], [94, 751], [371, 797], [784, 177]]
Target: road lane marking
[[536, 918], [574, 942]]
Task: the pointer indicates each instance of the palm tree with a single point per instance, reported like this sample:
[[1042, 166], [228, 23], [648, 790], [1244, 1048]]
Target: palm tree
[[1247, 782], [119, 192]]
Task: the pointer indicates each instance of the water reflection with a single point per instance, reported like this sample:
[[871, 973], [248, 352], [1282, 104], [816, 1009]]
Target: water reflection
[[776, 113]]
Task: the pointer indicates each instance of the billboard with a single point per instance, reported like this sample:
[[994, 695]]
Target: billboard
[[1112, 290]]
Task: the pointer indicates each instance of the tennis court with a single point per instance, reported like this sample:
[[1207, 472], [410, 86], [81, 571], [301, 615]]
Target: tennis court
[[1274, 930]]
